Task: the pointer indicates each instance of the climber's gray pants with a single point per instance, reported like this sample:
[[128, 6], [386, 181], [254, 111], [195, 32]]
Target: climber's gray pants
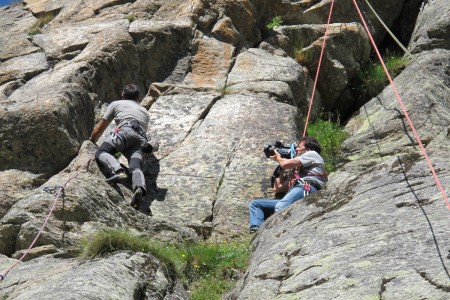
[[128, 142]]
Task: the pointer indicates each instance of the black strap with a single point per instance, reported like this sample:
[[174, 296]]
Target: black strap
[[275, 174]]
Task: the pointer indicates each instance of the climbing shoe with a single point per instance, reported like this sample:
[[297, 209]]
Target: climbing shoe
[[117, 178], [145, 211], [137, 198]]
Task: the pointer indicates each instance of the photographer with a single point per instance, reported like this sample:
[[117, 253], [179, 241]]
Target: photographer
[[308, 175]]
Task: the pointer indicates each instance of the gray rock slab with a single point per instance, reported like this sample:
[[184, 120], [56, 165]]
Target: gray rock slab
[[14, 40], [67, 41], [162, 46], [173, 117], [257, 65], [23, 67], [14, 185], [210, 63], [53, 278], [432, 27]]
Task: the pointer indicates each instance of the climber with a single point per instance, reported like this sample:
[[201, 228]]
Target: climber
[[308, 175], [128, 138]]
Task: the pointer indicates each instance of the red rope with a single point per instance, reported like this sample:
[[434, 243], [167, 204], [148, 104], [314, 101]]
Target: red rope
[[43, 225], [416, 135], [318, 67]]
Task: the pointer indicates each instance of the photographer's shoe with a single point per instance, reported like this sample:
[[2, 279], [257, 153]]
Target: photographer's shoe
[[117, 178], [137, 198], [254, 228]]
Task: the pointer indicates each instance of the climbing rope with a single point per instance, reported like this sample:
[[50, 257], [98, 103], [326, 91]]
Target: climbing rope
[[405, 49], [397, 96], [318, 67], [51, 190]]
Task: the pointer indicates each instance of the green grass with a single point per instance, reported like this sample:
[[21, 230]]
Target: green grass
[[371, 80], [276, 21], [207, 269], [108, 241], [330, 135]]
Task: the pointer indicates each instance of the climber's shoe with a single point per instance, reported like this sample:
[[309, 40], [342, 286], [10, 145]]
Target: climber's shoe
[[117, 178], [137, 198]]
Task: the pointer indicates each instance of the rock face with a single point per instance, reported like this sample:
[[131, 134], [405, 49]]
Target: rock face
[[219, 86], [135, 275]]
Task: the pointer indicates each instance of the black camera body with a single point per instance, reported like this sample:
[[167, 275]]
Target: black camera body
[[285, 151]]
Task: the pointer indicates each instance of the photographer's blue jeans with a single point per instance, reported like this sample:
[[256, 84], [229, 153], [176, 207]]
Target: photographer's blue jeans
[[261, 209]]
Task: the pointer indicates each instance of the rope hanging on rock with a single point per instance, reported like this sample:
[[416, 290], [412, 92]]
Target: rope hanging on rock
[[58, 195], [318, 68], [405, 112]]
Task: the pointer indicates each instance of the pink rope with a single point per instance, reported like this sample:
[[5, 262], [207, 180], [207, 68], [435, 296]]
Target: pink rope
[[43, 225], [416, 135], [318, 68]]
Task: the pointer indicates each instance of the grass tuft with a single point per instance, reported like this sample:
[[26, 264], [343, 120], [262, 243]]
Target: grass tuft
[[330, 135], [208, 269], [41, 22], [371, 80], [130, 18]]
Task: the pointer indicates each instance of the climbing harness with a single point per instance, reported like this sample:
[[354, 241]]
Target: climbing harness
[[118, 136], [297, 181]]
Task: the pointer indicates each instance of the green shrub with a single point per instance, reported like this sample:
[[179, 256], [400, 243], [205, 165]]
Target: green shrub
[[371, 79], [213, 268], [330, 135], [276, 21], [207, 269]]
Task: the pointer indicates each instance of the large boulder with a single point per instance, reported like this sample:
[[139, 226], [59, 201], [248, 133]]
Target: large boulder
[[316, 12], [346, 50], [15, 23], [135, 274]]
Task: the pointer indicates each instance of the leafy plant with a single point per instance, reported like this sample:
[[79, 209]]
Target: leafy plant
[[330, 135], [371, 80], [276, 21], [208, 269]]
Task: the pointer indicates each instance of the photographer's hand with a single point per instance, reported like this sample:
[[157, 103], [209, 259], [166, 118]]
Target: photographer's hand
[[277, 156], [286, 163]]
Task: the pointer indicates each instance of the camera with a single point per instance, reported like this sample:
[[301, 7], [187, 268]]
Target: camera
[[285, 151], [150, 147]]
